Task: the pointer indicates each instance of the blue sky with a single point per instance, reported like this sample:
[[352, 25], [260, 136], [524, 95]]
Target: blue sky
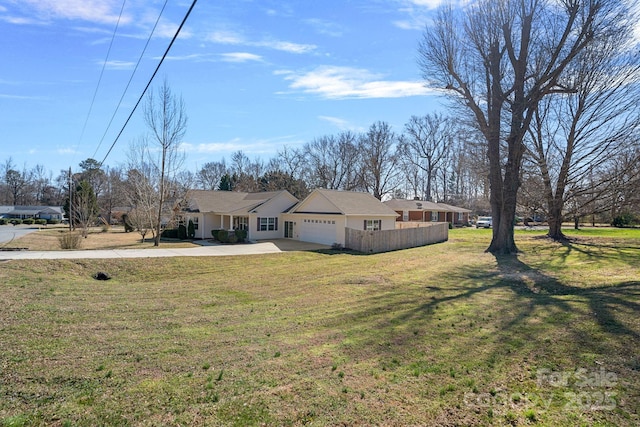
[[254, 75]]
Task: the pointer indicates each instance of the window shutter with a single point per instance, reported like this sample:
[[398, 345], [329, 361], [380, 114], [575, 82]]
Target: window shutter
[[365, 225], [276, 224], [258, 229]]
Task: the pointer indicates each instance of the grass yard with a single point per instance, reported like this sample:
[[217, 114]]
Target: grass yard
[[439, 335]]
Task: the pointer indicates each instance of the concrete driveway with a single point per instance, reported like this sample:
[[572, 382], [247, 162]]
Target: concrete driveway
[[262, 247], [10, 232]]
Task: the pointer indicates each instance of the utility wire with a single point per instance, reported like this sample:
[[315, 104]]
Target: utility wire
[[130, 79], [104, 65], [150, 80]]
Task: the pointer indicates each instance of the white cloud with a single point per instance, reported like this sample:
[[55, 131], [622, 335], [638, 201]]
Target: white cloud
[[118, 65], [213, 147], [66, 151], [234, 38], [101, 11], [346, 82], [285, 46], [240, 57], [416, 12], [324, 27], [249, 147], [430, 4], [21, 97], [17, 20], [341, 124], [225, 37]]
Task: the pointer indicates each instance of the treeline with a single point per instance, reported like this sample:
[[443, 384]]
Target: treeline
[[434, 157]]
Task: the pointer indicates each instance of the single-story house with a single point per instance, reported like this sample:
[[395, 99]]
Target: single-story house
[[324, 214], [320, 218], [36, 212], [425, 211], [258, 213]]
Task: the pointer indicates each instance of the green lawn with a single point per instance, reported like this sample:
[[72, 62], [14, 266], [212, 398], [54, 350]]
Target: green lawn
[[439, 335]]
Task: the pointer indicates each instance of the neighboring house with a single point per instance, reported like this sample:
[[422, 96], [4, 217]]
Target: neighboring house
[[36, 212], [457, 215], [425, 211], [258, 213], [324, 214], [320, 218]]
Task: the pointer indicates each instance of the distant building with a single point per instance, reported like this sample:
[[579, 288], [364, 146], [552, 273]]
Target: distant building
[[425, 211], [35, 212]]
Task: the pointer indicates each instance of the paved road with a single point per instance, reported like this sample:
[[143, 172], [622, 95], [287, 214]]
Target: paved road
[[10, 232]]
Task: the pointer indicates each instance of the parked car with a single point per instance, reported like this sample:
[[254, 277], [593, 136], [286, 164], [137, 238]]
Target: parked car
[[484, 222]]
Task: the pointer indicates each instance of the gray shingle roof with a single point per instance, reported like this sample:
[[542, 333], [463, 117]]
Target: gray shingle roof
[[355, 203], [227, 202]]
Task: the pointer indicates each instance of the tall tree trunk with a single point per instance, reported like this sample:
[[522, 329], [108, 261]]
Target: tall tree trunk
[[555, 221]]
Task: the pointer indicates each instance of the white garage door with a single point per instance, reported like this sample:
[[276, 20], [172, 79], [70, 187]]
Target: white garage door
[[318, 231]]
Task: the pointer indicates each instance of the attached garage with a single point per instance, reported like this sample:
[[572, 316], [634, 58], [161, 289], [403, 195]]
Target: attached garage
[[318, 229], [323, 216]]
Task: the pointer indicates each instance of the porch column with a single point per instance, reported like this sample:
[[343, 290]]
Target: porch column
[[230, 222]]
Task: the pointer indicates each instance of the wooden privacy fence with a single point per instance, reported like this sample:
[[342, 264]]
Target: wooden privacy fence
[[391, 240]]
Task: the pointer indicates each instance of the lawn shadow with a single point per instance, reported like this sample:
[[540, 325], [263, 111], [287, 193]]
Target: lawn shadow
[[600, 251], [524, 307]]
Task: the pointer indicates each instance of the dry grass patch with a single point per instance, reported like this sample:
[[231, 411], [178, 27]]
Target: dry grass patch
[[47, 239]]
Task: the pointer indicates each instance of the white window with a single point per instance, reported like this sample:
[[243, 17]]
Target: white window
[[372, 224], [195, 222], [434, 216], [460, 216]]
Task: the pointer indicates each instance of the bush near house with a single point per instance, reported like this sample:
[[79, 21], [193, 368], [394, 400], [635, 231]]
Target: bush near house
[[170, 233], [626, 219], [241, 235], [28, 221], [182, 232], [191, 230], [223, 236]]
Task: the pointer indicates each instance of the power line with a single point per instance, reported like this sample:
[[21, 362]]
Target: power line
[[150, 80], [104, 65], [130, 78]]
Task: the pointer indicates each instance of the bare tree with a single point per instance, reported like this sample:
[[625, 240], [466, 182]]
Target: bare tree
[[165, 116], [499, 59], [378, 159], [426, 143], [575, 132], [141, 189], [332, 161], [208, 177], [291, 161]]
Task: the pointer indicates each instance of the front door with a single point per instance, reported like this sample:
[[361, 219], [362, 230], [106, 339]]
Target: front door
[[288, 229]]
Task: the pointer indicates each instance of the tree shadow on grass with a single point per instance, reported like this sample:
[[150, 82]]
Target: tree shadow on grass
[[529, 303], [624, 251]]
